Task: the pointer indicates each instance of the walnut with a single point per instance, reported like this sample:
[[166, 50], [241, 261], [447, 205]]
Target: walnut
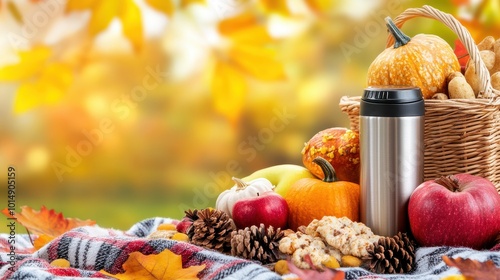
[[299, 245], [344, 235]]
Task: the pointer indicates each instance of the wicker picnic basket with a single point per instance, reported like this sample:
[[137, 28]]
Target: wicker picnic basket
[[460, 135]]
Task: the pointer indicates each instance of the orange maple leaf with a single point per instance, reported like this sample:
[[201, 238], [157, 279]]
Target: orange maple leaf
[[461, 53], [165, 266], [474, 269], [46, 222]]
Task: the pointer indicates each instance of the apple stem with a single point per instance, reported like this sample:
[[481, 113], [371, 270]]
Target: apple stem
[[240, 185], [449, 182], [327, 168]]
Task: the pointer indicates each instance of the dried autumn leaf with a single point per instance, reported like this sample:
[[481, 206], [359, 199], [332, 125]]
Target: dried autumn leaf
[[165, 266], [461, 53], [315, 273], [46, 222], [42, 240], [474, 269]]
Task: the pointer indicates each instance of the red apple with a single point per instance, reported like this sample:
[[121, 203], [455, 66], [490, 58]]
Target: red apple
[[456, 210], [184, 225], [268, 208]]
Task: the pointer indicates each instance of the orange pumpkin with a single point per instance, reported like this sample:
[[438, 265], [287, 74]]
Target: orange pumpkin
[[423, 61], [312, 198]]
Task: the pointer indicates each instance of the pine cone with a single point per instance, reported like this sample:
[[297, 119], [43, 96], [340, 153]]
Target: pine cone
[[212, 230], [392, 254], [190, 215], [257, 243]]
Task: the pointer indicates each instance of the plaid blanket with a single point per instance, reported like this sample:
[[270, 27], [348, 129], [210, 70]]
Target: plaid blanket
[[90, 249]]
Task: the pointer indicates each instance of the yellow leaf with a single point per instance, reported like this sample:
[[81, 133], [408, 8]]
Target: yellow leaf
[[27, 97], [456, 277], [30, 63], [164, 6], [244, 28], [102, 14], [275, 6], [14, 11], [31, 95], [50, 88], [228, 90], [252, 35], [60, 263], [257, 61], [165, 266], [58, 74], [320, 5], [42, 240], [130, 16], [79, 5], [237, 23], [185, 3]]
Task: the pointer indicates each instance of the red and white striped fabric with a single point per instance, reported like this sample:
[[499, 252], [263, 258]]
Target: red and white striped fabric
[[91, 249]]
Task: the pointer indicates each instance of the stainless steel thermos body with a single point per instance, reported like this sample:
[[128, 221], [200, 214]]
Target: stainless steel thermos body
[[391, 133]]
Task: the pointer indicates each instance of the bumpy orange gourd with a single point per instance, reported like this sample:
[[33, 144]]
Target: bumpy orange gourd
[[311, 198], [338, 145], [423, 61]]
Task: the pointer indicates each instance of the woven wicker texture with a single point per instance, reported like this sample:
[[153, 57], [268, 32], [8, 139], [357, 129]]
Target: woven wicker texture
[[461, 135]]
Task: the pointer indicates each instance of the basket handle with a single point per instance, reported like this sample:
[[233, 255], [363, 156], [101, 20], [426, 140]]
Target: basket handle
[[464, 36]]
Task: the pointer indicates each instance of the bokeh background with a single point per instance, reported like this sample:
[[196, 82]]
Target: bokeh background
[[121, 110]]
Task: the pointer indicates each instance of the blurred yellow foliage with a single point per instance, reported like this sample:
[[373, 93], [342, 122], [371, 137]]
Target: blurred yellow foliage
[[41, 81], [102, 12], [152, 105]]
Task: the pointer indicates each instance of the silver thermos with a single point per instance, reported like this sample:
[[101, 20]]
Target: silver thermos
[[391, 133]]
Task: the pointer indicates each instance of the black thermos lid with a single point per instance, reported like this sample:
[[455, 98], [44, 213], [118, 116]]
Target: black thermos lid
[[392, 101]]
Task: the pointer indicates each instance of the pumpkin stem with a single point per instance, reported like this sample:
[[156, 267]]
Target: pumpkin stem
[[449, 182], [400, 39], [240, 185], [327, 168]]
